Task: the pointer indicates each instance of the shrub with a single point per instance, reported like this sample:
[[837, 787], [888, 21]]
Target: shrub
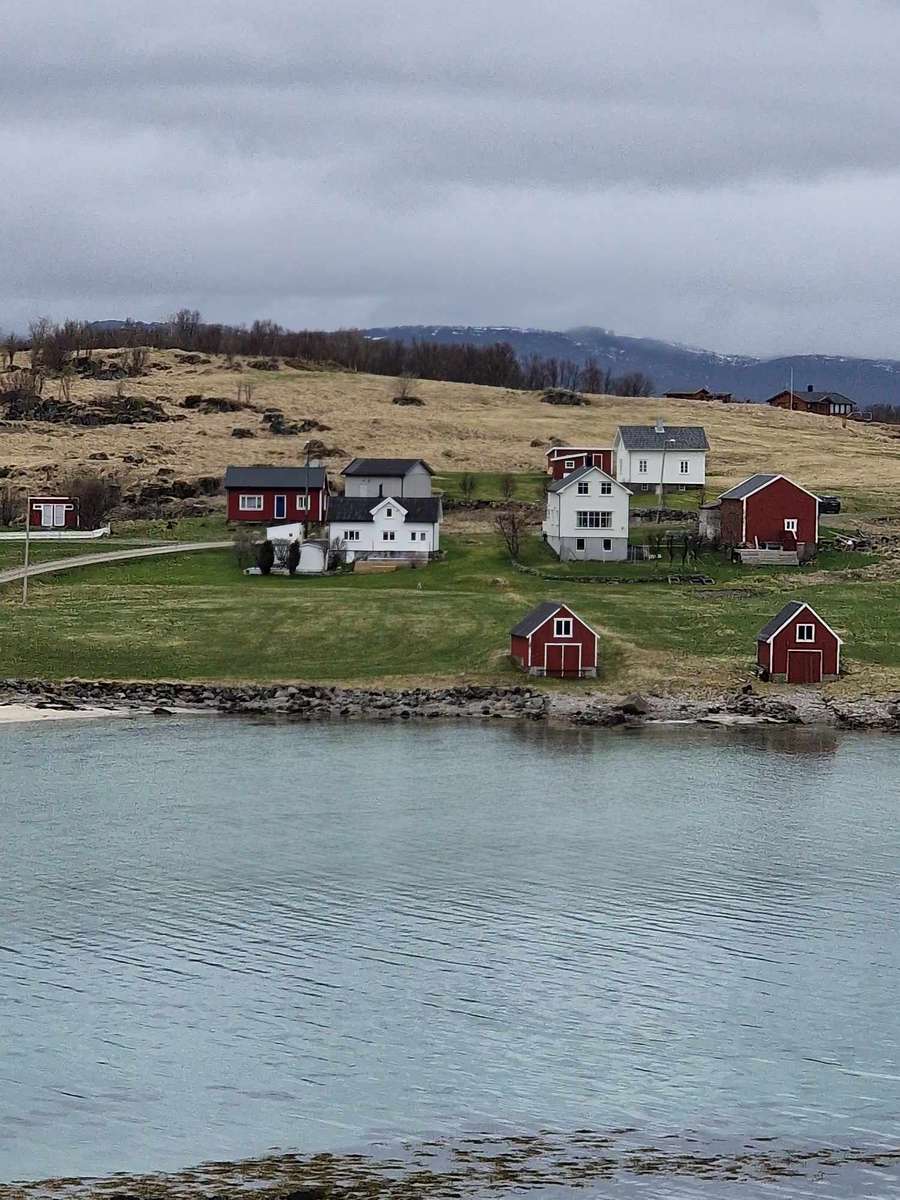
[[244, 547], [265, 557], [293, 558], [95, 495]]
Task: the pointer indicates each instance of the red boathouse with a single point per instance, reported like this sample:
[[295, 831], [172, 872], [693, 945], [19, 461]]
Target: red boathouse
[[53, 512], [563, 460], [268, 495], [553, 640], [797, 646]]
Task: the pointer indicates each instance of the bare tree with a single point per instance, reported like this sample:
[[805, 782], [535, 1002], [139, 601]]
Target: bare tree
[[467, 485], [507, 486], [404, 386], [12, 344], [65, 384], [245, 392], [95, 495], [10, 506], [134, 360], [244, 543], [512, 525]]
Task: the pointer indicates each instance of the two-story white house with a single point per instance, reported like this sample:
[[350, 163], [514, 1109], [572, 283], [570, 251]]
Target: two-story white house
[[659, 458], [587, 516], [387, 477], [389, 527]]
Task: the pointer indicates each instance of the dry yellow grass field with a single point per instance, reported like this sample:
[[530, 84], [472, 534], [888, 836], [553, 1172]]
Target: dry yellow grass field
[[460, 427]]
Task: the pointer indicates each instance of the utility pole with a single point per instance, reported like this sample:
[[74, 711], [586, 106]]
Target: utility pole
[[27, 550], [662, 478]]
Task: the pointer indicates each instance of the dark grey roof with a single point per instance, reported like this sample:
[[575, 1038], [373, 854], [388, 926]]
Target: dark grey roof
[[646, 437], [274, 477], [394, 468], [421, 509], [558, 484], [789, 610], [536, 618], [749, 485], [842, 399]]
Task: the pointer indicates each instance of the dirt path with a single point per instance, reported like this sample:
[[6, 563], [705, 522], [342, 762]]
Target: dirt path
[[89, 560]]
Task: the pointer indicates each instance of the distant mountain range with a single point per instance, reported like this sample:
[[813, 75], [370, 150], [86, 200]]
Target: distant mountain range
[[679, 368]]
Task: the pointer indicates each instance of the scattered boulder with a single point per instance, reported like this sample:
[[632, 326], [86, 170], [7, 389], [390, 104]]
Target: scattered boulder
[[535, 442], [265, 364], [564, 396], [408, 401], [634, 706], [192, 359], [100, 456], [213, 404], [241, 431]]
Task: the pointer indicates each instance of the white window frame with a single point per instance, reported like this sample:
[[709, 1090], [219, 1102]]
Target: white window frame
[[606, 520], [685, 466], [569, 464], [562, 627], [579, 545], [605, 487], [584, 488], [607, 544], [244, 504], [388, 535], [303, 504], [351, 535], [790, 524], [584, 518], [805, 632], [642, 466], [388, 512]]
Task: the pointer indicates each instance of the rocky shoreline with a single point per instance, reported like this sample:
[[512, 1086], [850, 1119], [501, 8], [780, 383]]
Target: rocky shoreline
[[308, 703]]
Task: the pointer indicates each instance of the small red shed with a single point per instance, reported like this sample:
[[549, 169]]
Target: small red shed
[[563, 460], [797, 646], [53, 512], [269, 495], [553, 640], [770, 511]]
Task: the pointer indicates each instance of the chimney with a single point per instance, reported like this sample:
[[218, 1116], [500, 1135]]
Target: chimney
[[660, 427], [809, 387]]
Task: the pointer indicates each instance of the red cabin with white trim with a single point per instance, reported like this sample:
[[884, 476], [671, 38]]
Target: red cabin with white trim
[[797, 646], [563, 460], [553, 640], [277, 495], [769, 511], [53, 512]]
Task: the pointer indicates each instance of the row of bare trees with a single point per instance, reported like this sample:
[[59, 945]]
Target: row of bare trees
[[54, 346]]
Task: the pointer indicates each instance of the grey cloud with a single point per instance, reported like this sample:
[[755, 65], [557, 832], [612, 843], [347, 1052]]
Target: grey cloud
[[720, 173]]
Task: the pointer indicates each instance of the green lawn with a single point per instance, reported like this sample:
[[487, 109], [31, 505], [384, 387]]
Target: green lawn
[[488, 485], [196, 616]]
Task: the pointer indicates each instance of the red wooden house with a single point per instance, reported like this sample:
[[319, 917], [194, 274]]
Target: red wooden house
[[797, 646], [269, 495], [770, 512], [553, 640], [53, 512], [563, 460], [823, 404]]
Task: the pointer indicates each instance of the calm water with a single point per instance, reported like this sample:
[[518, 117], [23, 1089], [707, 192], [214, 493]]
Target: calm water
[[218, 938]]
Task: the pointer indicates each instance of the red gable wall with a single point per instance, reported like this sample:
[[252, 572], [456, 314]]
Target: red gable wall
[[767, 509], [786, 640], [581, 633]]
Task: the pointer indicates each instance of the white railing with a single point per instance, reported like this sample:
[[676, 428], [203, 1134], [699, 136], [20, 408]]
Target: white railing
[[56, 535]]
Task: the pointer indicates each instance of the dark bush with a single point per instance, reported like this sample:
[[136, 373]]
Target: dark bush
[[265, 557]]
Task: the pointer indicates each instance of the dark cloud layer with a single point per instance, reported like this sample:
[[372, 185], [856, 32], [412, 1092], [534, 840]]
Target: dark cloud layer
[[724, 173]]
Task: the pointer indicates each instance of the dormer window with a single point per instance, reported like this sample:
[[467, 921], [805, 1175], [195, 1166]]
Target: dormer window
[[388, 512]]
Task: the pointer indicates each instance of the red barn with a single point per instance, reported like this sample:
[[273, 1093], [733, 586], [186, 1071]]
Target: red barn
[[268, 495], [770, 511], [563, 460], [553, 640], [798, 647], [53, 512]]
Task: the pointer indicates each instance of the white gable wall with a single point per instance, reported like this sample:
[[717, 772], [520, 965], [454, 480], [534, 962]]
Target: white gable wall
[[417, 482], [389, 532]]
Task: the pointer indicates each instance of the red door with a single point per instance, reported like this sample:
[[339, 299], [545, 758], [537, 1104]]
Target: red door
[[562, 659], [804, 666]]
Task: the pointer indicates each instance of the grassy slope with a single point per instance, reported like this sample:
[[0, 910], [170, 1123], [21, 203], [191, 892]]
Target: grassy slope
[[460, 428], [197, 617]]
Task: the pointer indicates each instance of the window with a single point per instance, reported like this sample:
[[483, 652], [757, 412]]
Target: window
[[790, 524], [607, 543], [303, 502], [591, 519], [250, 504], [417, 537], [579, 545], [682, 487], [351, 535], [389, 512], [584, 487], [642, 466], [388, 535], [645, 487], [685, 466], [562, 627], [806, 633], [569, 464], [605, 487]]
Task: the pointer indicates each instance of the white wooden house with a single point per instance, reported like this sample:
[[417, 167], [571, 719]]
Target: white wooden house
[[387, 477], [650, 458], [587, 516], [390, 527]]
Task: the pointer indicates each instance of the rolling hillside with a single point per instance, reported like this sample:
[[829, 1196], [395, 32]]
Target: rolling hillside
[[459, 427]]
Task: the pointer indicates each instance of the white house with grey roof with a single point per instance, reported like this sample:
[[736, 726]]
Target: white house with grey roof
[[387, 477], [389, 527], [653, 458], [587, 517]]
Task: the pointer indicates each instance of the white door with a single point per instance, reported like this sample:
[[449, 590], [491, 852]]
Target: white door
[[59, 516]]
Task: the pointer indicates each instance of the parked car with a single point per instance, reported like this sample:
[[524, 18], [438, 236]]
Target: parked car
[[829, 504]]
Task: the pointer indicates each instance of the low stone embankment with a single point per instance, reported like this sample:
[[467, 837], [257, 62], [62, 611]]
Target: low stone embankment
[[576, 708]]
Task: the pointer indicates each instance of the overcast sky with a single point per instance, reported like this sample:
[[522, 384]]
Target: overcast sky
[[719, 172]]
